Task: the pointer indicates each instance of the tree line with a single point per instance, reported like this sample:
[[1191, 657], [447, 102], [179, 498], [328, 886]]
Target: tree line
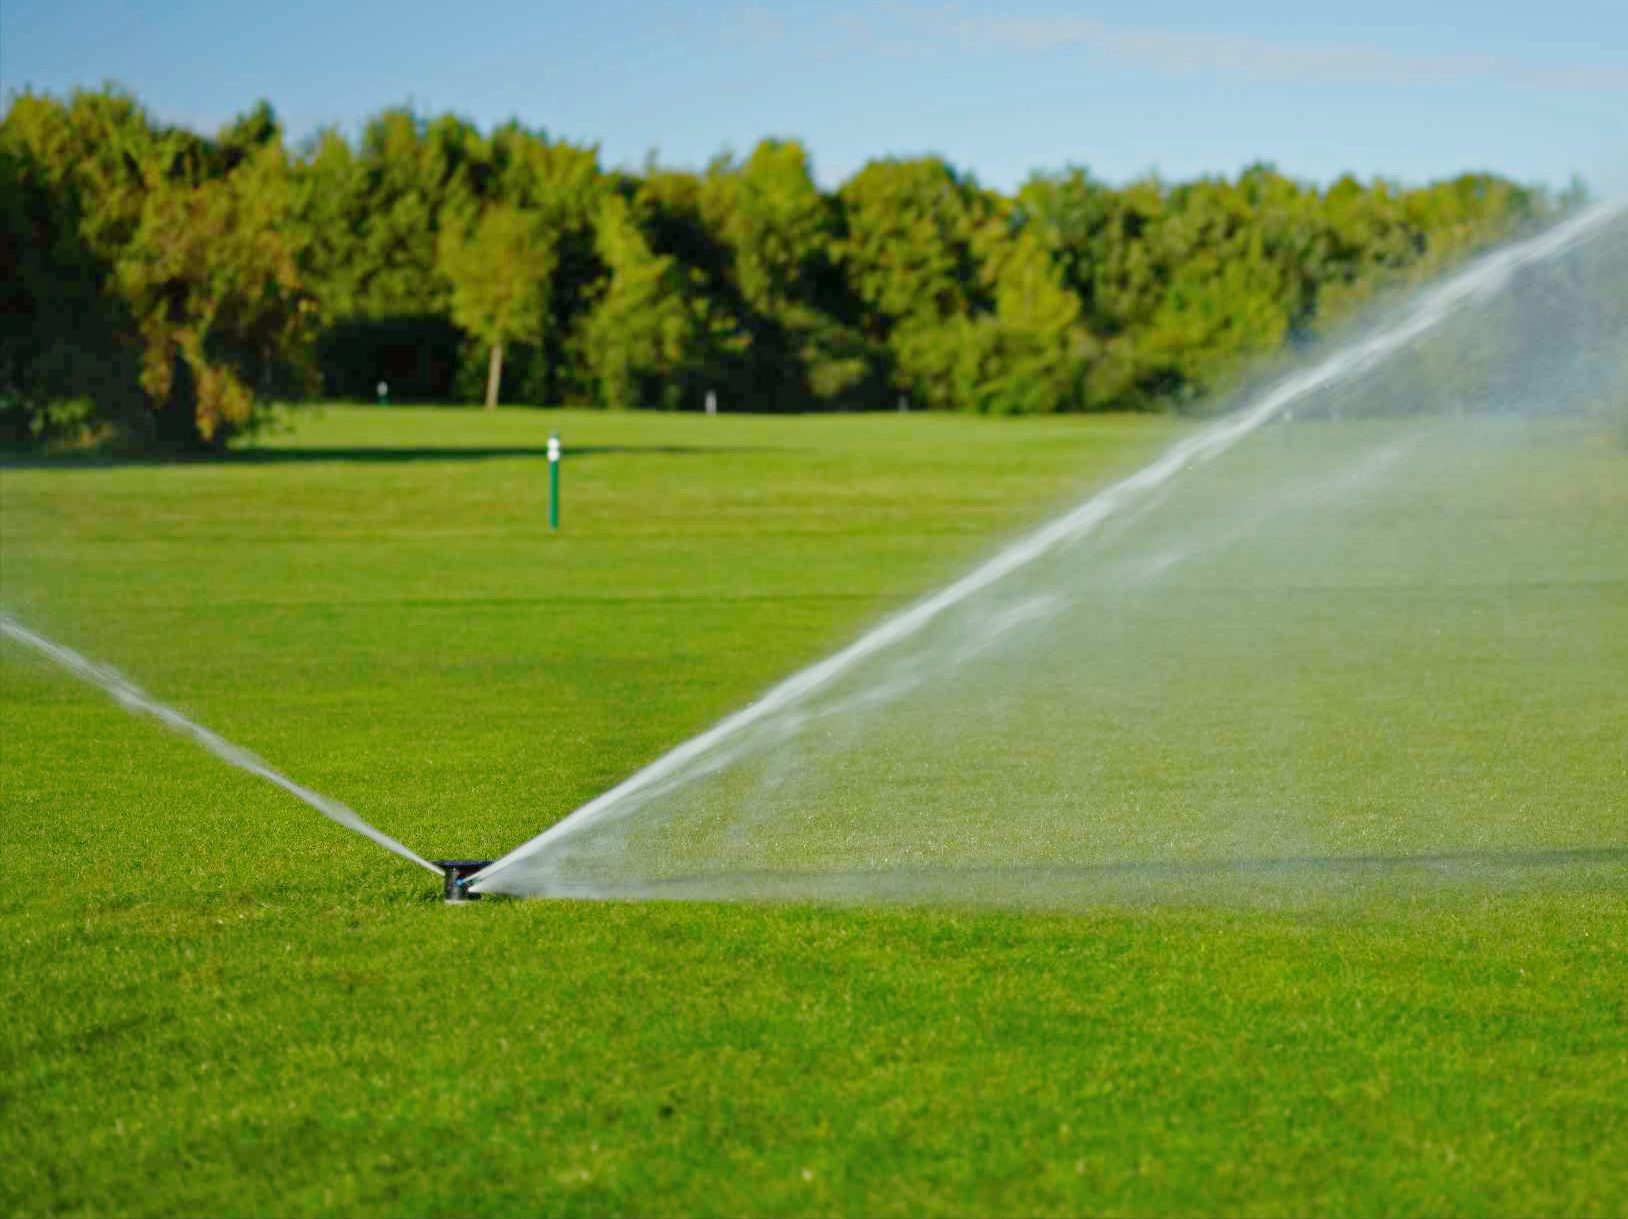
[[164, 284]]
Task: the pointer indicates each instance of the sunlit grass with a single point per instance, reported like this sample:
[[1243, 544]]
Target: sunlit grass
[[219, 1002]]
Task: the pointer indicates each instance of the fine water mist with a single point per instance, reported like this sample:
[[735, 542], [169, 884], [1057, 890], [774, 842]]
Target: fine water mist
[[138, 702], [1295, 651]]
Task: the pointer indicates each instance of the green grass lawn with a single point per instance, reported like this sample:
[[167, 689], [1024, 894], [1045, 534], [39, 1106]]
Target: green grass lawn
[[220, 1002]]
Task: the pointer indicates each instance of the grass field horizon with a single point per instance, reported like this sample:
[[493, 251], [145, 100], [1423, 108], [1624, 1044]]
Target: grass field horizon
[[231, 1005]]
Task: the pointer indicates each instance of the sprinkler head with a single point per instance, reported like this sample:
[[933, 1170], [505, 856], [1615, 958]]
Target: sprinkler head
[[456, 874]]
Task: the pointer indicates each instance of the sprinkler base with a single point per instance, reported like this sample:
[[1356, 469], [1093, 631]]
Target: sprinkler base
[[456, 874]]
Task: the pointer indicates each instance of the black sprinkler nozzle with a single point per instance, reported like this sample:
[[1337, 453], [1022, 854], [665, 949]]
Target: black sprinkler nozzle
[[456, 874]]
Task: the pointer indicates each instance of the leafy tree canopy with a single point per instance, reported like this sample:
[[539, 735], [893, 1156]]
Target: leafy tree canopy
[[163, 283]]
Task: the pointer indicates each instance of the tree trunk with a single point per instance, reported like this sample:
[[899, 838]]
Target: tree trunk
[[494, 375]]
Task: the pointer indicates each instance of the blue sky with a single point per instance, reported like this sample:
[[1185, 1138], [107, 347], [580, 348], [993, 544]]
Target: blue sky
[[1409, 88]]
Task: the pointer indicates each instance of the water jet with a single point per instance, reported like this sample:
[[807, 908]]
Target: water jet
[[998, 718]]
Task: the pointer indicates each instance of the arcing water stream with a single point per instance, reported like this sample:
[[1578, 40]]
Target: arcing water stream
[[138, 702], [556, 861]]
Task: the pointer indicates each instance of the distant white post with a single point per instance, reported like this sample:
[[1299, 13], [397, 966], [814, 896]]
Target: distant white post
[[712, 403]]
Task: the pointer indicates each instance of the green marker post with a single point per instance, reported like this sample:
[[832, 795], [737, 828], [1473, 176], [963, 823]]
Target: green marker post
[[553, 480]]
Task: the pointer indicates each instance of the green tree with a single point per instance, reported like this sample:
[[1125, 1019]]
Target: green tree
[[1028, 354], [562, 183], [500, 267], [210, 278], [775, 221], [779, 277], [410, 175], [645, 335], [163, 282], [63, 368], [1067, 213], [908, 248], [191, 243], [910, 253]]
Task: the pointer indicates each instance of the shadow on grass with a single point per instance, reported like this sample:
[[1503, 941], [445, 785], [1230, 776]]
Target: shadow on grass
[[1068, 885], [263, 455], [273, 455]]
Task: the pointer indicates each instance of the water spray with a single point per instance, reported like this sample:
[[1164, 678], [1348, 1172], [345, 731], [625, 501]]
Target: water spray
[[529, 868], [137, 701], [454, 873]]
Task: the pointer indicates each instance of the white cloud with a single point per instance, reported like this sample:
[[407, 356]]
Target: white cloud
[[1186, 51]]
